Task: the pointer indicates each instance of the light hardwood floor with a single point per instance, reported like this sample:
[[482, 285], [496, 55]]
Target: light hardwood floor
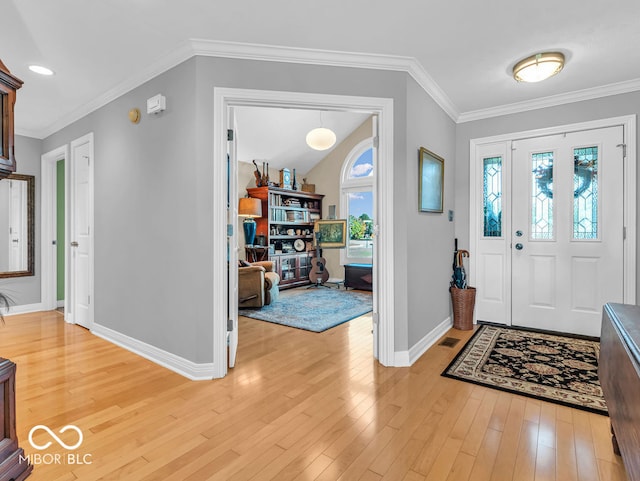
[[298, 406]]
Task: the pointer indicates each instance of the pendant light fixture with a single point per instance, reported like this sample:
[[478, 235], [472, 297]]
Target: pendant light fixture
[[321, 138], [538, 67]]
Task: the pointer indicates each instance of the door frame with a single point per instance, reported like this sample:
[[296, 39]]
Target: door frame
[[48, 263], [48, 222], [223, 98], [628, 123]]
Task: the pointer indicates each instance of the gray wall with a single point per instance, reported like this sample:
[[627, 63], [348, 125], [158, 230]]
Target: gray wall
[[613, 106], [153, 198], [26, 290], [429, 236]]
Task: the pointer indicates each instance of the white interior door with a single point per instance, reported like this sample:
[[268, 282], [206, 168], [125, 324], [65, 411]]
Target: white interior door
[[566, 230], [232, 242], [80, 297]]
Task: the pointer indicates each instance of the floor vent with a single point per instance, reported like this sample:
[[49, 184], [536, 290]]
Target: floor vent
[[449, 342]]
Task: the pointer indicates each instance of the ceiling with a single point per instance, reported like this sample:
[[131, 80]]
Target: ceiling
[[277, 135], [462, 50]]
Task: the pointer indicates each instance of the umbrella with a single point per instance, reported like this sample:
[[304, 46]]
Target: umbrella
[[459, 277]]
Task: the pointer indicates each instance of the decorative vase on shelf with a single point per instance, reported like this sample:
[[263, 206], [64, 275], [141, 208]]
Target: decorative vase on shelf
[[295, 184]]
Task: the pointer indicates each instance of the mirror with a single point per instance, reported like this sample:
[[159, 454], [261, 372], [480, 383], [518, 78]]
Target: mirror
[[17, 223]]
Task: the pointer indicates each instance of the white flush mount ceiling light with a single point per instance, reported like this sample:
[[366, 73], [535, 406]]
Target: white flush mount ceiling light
[[321, 138], [39, 69], [538, 67]]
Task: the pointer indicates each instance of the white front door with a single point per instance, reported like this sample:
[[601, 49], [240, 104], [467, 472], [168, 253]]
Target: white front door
[[567, 230], [81, 240]]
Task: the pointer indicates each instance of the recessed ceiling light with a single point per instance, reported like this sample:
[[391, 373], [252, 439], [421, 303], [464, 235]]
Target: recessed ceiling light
[[538, 67], [39, 69]]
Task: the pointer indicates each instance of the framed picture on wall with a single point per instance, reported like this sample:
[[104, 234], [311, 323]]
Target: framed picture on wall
[[430, 181], [331, 234]]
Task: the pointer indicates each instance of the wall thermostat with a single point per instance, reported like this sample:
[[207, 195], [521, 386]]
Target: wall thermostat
[[156, 104]]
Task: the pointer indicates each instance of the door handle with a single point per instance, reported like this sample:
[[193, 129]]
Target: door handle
[[519, 247], [518, 233], [74, 244]]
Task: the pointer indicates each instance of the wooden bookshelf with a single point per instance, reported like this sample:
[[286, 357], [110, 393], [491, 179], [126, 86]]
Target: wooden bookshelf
[[287, 216]]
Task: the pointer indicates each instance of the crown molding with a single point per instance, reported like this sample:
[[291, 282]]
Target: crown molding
[[168, 61], [551, 101], [248, 51], [273, 53]]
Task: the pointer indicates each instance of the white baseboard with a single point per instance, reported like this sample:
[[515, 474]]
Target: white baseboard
[[23, 309], [184, 367], [60, 303], [407, 358]]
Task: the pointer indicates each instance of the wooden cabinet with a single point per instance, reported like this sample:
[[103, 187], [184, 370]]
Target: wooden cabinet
[[8, 86], [619, 373], [287, 226], [12, 467]]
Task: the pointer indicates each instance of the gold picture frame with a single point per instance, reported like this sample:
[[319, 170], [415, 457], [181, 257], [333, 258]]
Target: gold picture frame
[[430, 182], [333, 233]]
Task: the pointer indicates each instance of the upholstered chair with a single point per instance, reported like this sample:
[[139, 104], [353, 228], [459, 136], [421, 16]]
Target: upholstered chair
[[257, 284]]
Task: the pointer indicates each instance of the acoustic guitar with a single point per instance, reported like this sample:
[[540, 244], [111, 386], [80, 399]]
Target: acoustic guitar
[[318, 273]]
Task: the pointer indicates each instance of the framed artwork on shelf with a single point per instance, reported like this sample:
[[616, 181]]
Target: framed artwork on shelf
[[331, 233], [430, 181]]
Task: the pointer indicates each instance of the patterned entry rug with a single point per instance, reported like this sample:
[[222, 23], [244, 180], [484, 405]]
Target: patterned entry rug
[[313, 309], [546, 366]]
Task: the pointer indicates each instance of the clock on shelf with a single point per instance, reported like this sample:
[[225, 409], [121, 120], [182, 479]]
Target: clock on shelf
[[285, 179], [299, 245]]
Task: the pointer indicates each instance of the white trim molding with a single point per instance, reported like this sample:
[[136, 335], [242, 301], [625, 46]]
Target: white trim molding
[[551, 101], [22, 309], [189, 369], [275, 53], [225, 98], [407, 358]]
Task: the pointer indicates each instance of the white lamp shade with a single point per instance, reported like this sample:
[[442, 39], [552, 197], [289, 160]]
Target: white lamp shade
[[538, 67], [321, 138]]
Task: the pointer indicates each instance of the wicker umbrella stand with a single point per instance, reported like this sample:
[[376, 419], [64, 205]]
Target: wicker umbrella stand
[[463, 302]]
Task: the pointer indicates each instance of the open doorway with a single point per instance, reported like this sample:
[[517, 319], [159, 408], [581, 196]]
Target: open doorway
[[225, 101]]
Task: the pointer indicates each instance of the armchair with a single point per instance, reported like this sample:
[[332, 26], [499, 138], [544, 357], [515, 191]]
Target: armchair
[[257, 284]]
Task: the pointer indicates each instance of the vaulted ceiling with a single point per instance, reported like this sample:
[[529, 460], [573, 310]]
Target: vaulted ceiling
[[463, 51]]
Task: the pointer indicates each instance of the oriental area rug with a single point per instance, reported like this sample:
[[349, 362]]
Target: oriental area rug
[[316, 309], [555, 368]]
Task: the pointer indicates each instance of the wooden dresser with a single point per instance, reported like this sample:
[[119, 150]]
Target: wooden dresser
[[619, 372]]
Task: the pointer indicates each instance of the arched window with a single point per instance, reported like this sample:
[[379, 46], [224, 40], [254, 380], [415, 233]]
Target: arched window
[[357, 203]]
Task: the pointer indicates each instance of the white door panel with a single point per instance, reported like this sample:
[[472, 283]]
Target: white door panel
[[81, 242], [567, 230], [232, 241]]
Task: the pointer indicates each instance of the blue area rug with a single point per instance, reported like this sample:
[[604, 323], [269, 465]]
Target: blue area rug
[[313, 309]]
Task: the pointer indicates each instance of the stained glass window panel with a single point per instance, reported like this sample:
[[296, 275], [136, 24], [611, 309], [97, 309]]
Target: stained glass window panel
[[492, 196], [542, 196], [585, 193]]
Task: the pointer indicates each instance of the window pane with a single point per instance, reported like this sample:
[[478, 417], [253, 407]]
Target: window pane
[[492, 196], [360, 225], [542, 196], [363, 167], [585, 193]]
